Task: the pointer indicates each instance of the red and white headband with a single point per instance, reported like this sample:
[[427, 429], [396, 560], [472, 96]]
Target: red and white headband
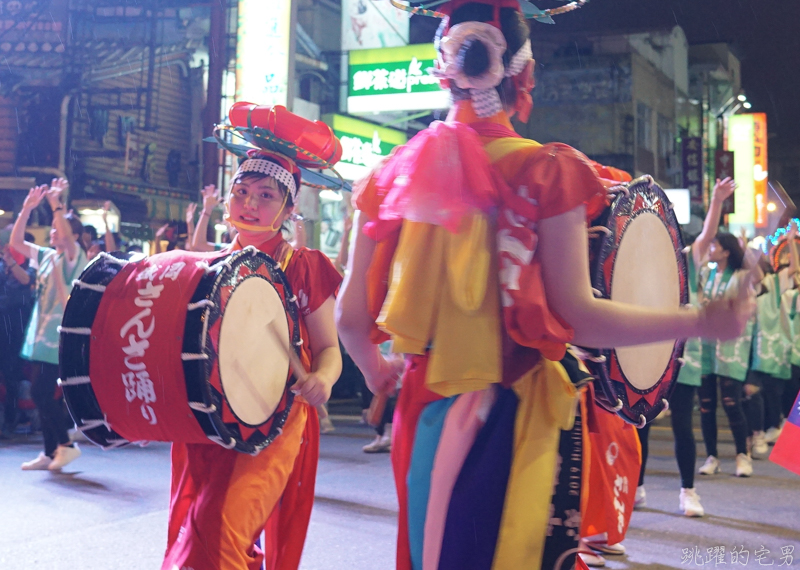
[[271, 169]]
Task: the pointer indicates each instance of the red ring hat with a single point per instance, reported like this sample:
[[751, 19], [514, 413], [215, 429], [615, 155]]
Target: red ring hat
[[274, 133]]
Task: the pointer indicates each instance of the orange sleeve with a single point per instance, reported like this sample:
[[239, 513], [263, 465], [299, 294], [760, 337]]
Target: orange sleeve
[[561, 178]]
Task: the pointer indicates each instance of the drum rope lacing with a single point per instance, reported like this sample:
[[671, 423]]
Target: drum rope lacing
[[75, 381], [75, 330], [199, 305], [90, 286], [217, 439], [201, 407]]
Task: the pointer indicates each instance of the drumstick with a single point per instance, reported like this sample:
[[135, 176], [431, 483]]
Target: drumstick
[[294, 362]]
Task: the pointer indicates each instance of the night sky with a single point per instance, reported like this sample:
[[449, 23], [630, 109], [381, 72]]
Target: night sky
[[764, 35]]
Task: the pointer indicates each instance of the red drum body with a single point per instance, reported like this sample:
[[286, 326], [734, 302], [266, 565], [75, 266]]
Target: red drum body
[[636, 257], [180, 347]]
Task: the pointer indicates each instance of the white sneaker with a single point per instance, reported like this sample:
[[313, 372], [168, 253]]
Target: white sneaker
[[710, 467], [326, 425], [772, 435], [381, 444], [41, 463], [640, 500], [690, 503], [744, 465], [63, 456], [760, 446]]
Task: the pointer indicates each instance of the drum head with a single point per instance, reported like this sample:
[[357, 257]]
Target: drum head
[[253, 351], [646, 274], [637, 259]]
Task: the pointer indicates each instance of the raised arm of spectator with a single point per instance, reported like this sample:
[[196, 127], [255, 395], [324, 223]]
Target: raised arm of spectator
[[191, 207], [341, 259], [17, 239], [108, 238], [211, 197], [723, 189], [54, 197], [159, 234]]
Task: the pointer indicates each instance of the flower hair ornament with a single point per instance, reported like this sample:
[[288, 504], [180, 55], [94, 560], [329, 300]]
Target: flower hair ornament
[[485, 99]]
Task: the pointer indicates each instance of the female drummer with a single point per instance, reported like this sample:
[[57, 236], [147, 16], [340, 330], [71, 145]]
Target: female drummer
[[482, 383], [222, 499], [57, 267], [725, 363]]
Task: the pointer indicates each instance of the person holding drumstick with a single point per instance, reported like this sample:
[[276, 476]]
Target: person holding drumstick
[[468, 216], [222, 499], [57, 267]]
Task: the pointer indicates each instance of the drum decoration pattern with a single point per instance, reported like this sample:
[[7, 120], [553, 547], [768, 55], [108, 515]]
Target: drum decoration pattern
[[636, 256], [182, 347]]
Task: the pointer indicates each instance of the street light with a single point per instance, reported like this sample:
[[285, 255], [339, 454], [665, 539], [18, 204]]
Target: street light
[[747, 105], [742, 97]]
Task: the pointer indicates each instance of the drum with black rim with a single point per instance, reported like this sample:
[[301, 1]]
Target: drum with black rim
[[636, 257], [181, 347]]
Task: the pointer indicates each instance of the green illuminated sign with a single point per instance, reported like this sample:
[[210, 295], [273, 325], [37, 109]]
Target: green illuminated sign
[[394, 79], [363, 144]]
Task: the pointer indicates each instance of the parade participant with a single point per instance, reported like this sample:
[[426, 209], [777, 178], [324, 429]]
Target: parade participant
[[57, 267], [725, 363], [483, 377], [222, 499], [17, 280], [689, 379]]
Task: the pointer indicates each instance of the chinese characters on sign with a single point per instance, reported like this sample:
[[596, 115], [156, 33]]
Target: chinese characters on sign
[[394, 79], [263, 51], [693, 167], [363, 144], [737, 556]]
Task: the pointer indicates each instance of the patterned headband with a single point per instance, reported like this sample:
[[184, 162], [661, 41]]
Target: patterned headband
[[271, 169]]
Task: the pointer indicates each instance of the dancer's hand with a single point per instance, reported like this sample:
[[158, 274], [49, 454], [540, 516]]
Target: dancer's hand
[[313, 388], [386, 381], [725, 319]]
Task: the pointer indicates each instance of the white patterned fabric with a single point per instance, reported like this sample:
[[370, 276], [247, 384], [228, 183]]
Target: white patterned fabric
[[271, 169]]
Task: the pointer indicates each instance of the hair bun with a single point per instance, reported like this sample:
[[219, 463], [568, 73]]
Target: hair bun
[[473, 57]]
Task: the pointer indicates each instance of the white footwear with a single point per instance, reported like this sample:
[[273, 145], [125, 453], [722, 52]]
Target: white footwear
[[326, 425], [592, 559], [381, 444], [63, 456], [772, 435], [690, 503], [760, 446], [640, 500], [41, 463], [710, 467], [605, 548], [744, 465]]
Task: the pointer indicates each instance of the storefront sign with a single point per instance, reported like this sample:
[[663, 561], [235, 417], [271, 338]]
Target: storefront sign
[[760, 173], [693, 167], [367, 24], [363, 144], [741, 134], [394, 79], [264, 51]]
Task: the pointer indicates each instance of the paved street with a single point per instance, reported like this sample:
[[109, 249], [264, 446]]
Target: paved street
[[108, 510]]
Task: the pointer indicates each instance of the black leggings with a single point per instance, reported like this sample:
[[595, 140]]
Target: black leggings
[[790, 391], [52, 413], [753, 404], [682, 404], [731, 391]]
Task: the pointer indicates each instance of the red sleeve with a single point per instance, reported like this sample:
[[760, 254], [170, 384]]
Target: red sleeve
[[313, 278], [561, 179]]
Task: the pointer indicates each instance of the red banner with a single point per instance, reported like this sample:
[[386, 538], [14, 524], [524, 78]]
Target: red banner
[[786, 452], [139, 380]]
